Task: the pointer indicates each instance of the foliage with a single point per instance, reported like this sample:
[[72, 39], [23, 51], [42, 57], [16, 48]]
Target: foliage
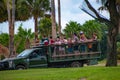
[[21, 36], [4, 39], [118, 37], [89, 27], [88, 73], [37, 10], [3, 11], [2, 57], [71, 28], [22, 11], [93, 26], [113, 7], [118, 50], [45, 27]]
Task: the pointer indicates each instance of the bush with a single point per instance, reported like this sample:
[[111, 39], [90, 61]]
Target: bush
[[118, 50], [2, 57]]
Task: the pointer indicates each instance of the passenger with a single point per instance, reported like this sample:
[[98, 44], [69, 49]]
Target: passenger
[[37, 42], [58, 42], [82, 39], [95, 44], [44, 40], [51, 42], [89, 45], [69, 48], [75, 40], [62, 46], [57, 46], [94, 37], [65, 40]]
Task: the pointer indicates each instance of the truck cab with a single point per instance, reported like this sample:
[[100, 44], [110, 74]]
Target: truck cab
[[27, 59]]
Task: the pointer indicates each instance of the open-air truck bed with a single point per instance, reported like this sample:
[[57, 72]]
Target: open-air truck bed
[[74, 57]]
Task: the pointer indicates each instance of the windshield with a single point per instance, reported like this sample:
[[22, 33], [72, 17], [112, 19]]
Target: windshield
[[25, 53]]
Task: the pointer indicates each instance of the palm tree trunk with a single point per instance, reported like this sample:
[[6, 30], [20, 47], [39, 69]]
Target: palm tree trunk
[[36, 27], [59, 17], [11, 20], [53, 19]]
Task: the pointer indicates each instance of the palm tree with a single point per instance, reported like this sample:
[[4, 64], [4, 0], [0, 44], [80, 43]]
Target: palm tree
[[3, 11], [37, 9], [45, 27], [59, 17], [11, 20], [53, 19], [70, 30], [113, 7]]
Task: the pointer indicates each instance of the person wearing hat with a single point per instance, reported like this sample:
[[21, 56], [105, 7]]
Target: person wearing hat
[[82, 39], [82, 36]]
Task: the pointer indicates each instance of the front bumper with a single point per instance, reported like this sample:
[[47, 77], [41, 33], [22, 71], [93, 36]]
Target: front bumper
[[4, 66], [1, 66]]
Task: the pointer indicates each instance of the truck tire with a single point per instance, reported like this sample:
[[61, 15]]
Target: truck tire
[[76, 64], [20, 67]]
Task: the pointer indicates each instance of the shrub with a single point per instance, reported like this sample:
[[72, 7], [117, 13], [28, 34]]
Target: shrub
[[118, 50]]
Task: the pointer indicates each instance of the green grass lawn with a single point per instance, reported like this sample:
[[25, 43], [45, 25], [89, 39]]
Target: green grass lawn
[[89, 73]]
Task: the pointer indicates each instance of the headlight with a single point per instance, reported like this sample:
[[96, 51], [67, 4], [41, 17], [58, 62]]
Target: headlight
[[10, 63]]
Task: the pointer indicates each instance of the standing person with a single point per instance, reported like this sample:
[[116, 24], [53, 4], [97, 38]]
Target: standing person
[[62, 46], [69, 48], [51, 42], [95, 43], [44, 40], [94, 37], [76, 40], [57, 46], [82, 39]]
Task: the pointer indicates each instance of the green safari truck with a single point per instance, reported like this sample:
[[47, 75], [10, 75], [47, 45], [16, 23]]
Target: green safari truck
[[64, 55]]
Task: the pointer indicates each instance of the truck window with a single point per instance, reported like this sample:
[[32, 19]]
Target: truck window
[[25, 53], [37, 54]]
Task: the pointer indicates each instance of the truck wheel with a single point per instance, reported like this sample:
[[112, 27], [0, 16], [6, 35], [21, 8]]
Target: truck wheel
[[20, 67], [76, 64]]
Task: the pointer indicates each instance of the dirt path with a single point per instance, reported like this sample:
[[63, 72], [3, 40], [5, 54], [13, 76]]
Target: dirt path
[[103, 64]]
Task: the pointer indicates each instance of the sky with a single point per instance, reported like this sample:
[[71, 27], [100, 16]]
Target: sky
[[70, 11]]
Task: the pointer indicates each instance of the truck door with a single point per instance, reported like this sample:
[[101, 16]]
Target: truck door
[[37, 59]]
